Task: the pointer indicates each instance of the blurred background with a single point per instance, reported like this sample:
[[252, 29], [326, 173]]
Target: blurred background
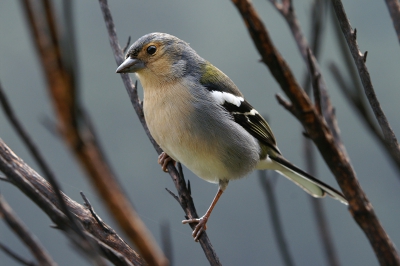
[[240, 226]]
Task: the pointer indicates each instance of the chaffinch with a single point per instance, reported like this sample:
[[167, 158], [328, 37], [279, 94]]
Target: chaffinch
[[200, 118]]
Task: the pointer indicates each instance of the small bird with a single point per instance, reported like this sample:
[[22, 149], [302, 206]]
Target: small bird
[[200, 118]]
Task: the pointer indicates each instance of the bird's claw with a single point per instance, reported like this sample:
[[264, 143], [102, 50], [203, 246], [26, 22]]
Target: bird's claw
[[200, 227], [163, 160]]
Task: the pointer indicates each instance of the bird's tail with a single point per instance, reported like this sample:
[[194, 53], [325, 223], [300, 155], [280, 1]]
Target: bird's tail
[[310, 184]]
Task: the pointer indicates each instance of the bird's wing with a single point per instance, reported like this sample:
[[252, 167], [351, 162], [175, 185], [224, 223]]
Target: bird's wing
[[225, 92]]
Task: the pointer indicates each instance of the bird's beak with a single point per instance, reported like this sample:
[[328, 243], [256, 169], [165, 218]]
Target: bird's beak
[[130, 66]]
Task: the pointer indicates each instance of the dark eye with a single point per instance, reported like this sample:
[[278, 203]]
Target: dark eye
[[151, 49]]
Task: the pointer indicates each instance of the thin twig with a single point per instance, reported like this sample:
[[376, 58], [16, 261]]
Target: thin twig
[[95, 216], [269, 192], [127, 46], [31, 242], [173, 195], [359, 60], [288, 12], [16, 257], [318, 209], [185, 198], [315, 77], [354, 89], [394, 11]]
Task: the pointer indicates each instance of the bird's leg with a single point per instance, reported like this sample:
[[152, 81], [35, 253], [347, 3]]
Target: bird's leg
[[202, 221], [163, 160]]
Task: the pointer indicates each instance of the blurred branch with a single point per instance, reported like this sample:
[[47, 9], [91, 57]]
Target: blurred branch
[[185, 198], [277, 229], [322, 99], [166, 240], [77, 131], [30, 241], [394, 11], [319, 210], [37, 156], [338, 162], [359, 60], [42, 194], [317, 19], [16, 256]]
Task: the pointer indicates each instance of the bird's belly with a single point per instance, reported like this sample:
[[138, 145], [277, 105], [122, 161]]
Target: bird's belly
[[193, 150], [190, 134]]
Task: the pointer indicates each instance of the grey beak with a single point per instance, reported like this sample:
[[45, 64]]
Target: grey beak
[[130, 66]]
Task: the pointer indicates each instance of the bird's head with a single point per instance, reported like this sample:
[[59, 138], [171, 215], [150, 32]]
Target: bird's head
[[158, 57]]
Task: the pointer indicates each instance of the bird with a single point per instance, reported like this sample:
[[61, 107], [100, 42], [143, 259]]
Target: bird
[[199, 118]]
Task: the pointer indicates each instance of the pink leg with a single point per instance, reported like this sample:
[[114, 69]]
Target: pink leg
[[163, 160], [202, 222]]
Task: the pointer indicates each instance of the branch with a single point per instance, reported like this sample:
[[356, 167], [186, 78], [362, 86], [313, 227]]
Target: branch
[[316, 128], [16, 256], [318, 209], [359, 60], [37, 156], [354, 92], [78, 134], [394, 11], [40, 191], [185, 198], [37, 250], [322, 99], [280, 238]]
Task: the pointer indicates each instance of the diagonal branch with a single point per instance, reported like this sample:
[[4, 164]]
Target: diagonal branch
[[359, 60], [280, 238], [394, 11], [322, 100], [185, 198], [15, 256], [338, 162], [42, 194], [31, 242]]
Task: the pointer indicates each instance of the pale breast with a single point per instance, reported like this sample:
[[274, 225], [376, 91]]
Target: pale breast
[[190, 130]]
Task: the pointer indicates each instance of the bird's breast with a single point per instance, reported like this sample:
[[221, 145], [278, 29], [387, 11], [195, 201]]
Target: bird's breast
[[186, 128]]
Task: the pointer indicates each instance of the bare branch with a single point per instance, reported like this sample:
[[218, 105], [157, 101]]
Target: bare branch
[[315, 77], [31, 242], [15, 256], [394, 11], [280, 238], [37, 156], [359, 58], [324, 102], [336, 159], [41, 192], [318, 209], [185, 198]]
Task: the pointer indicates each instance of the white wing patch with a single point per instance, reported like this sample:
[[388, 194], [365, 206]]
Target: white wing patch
[[222, 97], [252, 112]]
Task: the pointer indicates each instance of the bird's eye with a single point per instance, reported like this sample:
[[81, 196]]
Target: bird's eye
[[151, 49]]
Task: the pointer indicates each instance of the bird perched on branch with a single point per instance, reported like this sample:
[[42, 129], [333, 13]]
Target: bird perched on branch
[[200, 118]]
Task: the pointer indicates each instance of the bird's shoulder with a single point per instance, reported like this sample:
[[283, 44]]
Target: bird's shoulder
[[226, 94]]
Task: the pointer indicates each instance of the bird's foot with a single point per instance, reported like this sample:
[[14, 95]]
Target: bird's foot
[[163, 160], [200, 227]]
